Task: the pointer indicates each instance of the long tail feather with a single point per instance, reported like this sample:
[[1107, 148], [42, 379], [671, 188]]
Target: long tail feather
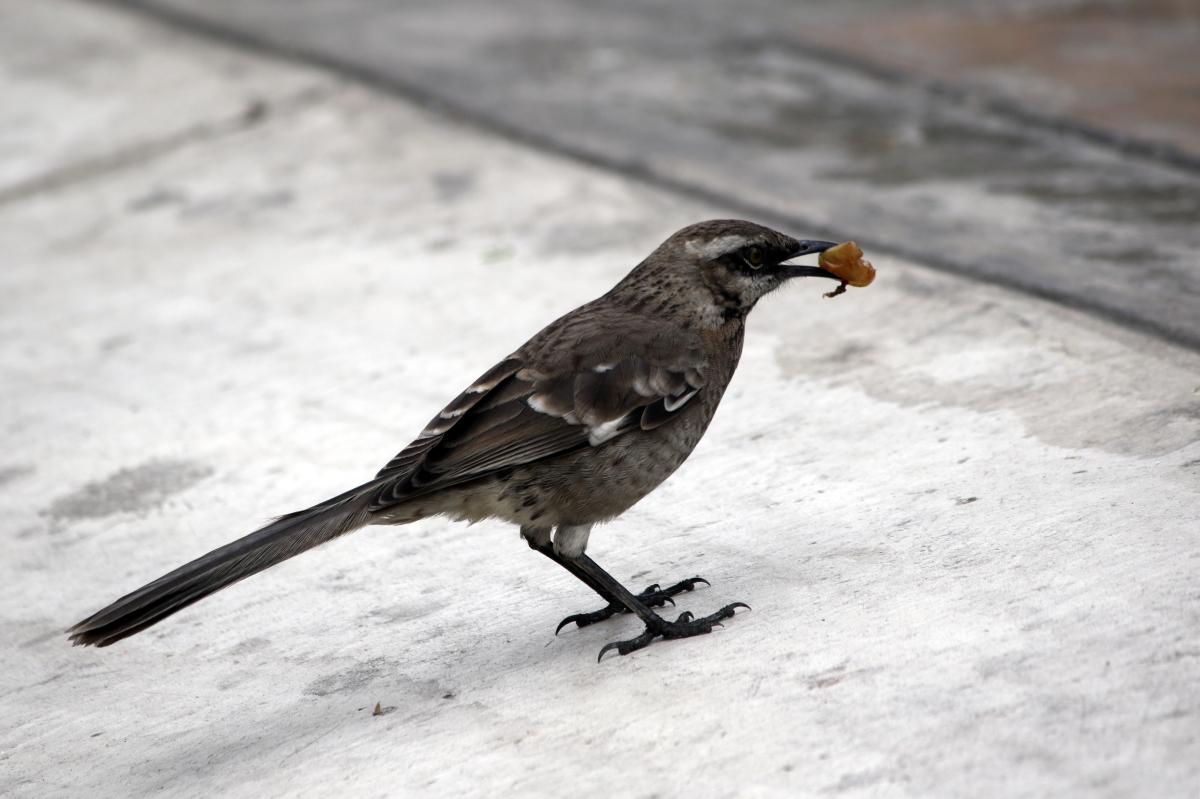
[[283, 538]]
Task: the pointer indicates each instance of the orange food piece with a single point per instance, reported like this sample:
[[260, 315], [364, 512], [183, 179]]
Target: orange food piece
[[847, 262]]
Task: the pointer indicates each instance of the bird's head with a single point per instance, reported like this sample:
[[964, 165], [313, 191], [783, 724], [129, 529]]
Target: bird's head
[[731, 261]]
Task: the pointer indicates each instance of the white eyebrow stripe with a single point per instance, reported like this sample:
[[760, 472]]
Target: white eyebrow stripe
[[722, 245]]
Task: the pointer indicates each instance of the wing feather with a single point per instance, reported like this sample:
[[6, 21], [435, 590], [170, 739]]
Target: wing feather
[[545, 401]]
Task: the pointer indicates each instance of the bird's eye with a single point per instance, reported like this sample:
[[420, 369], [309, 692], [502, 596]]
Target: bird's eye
[[754, 257]]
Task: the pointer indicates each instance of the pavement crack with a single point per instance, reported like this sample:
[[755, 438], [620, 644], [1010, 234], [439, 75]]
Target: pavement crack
[[253, 114]]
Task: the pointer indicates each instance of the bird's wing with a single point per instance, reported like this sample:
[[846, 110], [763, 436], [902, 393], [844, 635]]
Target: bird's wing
[[565, 390]]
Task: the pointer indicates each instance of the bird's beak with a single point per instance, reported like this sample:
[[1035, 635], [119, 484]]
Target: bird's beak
[[807, 247]]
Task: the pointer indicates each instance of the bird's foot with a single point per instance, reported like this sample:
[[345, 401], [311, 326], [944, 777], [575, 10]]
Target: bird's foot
[[655, 597], [684, 627]]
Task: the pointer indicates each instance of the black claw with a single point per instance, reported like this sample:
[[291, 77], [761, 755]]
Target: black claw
[[585, 619], [685, 585], [686, 626], [625, 647], [655, 596], [679, 587]]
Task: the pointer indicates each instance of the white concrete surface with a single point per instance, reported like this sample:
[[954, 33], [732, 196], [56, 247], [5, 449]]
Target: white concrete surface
[[965, 519]]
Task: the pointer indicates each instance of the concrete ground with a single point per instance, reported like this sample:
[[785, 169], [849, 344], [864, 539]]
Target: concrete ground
[[772, 107], [231, 286]]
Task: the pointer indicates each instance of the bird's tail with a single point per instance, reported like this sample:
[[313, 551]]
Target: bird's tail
[[283, 538]]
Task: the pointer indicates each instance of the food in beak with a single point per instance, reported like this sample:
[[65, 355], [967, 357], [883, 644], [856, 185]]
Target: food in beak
[[847, 262]]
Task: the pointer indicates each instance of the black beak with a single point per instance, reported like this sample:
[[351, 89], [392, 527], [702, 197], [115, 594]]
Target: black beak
[[807, 247]]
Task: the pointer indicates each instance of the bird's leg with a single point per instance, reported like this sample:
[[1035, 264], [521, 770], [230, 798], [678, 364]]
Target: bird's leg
[[539, 541], [685, 626], [548, 551], [654, 596]]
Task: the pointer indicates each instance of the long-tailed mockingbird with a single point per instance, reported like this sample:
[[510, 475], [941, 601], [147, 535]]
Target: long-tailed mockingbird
[[572, 429]]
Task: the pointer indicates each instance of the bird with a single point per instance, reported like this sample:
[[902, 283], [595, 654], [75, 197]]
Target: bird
[[572, 429]]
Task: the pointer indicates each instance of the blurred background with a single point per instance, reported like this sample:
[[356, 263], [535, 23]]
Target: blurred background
[[1050, 145], [248, 246]]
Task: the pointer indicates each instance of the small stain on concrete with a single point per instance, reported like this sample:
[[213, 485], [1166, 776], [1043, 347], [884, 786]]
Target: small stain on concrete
[[249, 646], [275, 199], [452, 186], [402, 612], [388, 673], [160, 197], [133, 490], [855, 780], [30, 531], [255, 111], [114, 343], [52, 633], [848, 352], [495, 255], [10, 473], [351, 679]]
